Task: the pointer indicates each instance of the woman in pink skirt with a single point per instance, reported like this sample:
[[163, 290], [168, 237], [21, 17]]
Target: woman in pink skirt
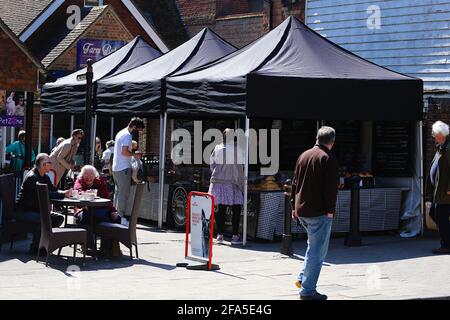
[[227, 183]]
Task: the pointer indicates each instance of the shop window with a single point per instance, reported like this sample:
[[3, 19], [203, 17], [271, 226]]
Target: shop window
[[235, 7]]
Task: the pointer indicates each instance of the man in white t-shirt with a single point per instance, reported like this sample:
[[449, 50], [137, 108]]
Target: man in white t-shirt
[[121, 166]]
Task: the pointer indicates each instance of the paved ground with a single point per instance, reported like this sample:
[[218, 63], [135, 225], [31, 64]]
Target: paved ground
[[386, 267]]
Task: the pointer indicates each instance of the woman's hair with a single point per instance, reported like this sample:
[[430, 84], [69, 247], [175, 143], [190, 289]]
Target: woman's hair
[[440, 127], [110, 143], [88, 168], [22, 134], [77, 132], [230, 133], [60, 139], [134, 145]]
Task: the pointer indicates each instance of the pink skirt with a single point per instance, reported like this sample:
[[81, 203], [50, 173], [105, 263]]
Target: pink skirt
[[226, 194]]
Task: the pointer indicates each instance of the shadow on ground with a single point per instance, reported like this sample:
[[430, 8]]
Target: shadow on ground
[[374, 249], [62, 263]]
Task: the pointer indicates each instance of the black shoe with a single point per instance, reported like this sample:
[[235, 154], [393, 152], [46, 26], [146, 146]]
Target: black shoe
[[441, 251], [316, 296]]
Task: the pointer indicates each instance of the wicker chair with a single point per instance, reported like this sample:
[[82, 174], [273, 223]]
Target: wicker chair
[[125, 235], [56, 238]]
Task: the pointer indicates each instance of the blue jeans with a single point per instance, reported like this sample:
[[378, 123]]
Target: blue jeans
[[100, 215], [319, 231]]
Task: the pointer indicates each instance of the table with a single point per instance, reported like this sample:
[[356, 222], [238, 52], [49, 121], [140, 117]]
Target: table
[[379, 211], [96, 203]]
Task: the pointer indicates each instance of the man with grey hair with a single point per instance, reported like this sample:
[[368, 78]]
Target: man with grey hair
[[438, 185], [313, 199], [27, 203]]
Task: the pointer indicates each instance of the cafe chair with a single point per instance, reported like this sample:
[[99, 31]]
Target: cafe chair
[[124, 234], [56, 238], [11, 227]]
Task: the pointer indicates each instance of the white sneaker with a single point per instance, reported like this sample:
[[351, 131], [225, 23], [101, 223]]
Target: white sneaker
[[124, 222], [219, 239], [236, 240]]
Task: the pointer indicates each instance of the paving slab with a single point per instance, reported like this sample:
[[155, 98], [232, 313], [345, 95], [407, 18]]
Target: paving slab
[[385, 267]]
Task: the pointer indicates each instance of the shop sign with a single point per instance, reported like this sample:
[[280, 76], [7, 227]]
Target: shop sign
[[12, 121], [200, 218], [95, 49]]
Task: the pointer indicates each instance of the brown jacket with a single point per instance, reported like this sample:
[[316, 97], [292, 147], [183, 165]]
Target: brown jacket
[[315, 183], [62, 157], [439, 194]]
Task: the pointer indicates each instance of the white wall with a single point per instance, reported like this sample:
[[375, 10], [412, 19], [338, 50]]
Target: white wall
[[413, 36]]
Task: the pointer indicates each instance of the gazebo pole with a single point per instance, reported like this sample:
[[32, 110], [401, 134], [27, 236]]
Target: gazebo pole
[[247, 128], [94, 134], [420, 124], [3, 146], [40, 133], [51, 133], [72, 123], [112, 128], [162, 153]]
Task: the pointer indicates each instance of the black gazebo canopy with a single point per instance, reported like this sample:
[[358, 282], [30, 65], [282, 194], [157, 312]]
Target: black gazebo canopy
[[293, 72], [68, 95], [141, 91]]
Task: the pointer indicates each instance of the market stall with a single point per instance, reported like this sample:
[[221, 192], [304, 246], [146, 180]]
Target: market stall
[[294, 73], [141, 91], [67, 95]]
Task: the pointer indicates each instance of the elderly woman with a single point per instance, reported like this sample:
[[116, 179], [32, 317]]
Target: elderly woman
[[227, 184], [439, 185], [89, 179]]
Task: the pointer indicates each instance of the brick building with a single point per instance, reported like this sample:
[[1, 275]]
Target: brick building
[[19, 70], [239, 22], [43, 28]]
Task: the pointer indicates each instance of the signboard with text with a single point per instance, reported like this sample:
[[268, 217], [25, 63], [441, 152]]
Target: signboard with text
[[200, 223], [12, 121], [95, 49]]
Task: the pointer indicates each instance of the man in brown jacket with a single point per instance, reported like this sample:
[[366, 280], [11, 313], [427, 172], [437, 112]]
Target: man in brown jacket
[[62, 155], [313, 198]]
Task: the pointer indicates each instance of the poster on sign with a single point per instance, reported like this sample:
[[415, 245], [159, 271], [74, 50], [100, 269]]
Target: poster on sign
[[200, 230], [12, 108], [202, 226]]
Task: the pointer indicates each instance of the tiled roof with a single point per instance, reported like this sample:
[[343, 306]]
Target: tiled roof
[[19, 14], [21, 46], [67, 37], [163, 15]]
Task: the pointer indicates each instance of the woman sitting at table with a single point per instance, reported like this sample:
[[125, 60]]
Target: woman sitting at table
[[89, 179]]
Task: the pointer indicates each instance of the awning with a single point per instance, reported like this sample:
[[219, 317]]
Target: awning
[[68, 95], [141, 91], [293, 72]]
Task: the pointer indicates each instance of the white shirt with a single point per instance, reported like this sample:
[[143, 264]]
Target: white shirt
[[107, 154], [123, 139]]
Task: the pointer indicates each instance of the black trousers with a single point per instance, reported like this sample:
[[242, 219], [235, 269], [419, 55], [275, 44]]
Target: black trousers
[[236, 219], [442, 216]]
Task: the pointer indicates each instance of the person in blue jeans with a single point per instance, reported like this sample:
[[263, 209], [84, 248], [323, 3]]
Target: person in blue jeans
[[313, 199]]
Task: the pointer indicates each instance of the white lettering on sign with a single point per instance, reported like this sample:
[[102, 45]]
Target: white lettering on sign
[[88, 48]]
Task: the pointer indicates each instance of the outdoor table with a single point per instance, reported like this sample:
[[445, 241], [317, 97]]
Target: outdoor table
[[96, 203]]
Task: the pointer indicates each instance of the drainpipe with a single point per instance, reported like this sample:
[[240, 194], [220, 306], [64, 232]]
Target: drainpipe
[[270, 3]]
